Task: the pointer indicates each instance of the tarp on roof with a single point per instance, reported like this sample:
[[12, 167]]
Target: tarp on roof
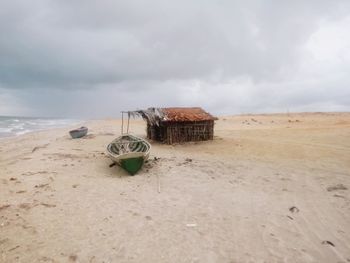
[[156, 115]]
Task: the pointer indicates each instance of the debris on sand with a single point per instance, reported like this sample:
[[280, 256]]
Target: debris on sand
[[47, 205], [294, 209], [11, 249], [39, 147], [337, 187], [41, 185], [326, 242], [290, 121], [112, 164], [151, 162]]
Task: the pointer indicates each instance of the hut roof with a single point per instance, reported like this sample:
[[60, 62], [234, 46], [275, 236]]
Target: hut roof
[[156, 115], [186, 114]]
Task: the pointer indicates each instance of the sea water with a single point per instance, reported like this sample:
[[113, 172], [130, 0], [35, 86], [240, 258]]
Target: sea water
[[12, 126]]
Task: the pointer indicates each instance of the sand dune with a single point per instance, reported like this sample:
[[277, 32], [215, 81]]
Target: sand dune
[[269, 188]]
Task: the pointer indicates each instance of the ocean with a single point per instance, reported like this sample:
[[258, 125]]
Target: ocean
[[13, 126]]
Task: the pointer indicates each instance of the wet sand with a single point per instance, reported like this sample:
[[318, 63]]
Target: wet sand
[[269, 188]]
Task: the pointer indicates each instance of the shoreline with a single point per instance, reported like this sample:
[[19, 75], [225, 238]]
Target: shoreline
[[68, 126], [221, 117]]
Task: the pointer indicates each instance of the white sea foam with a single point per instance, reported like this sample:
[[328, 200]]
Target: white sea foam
[[12, 126], [5, 129]]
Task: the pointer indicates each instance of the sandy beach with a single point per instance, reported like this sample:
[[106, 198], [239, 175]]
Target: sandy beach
[[268, 188]]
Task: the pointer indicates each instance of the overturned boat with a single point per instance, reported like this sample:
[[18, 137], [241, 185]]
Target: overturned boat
[[78, 133], [130, 152]]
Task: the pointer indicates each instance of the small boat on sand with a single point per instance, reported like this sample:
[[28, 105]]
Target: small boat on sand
[[78, 133], [130, 152]]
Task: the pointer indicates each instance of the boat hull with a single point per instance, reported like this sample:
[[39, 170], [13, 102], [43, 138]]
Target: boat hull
[[78, 133], [129, 152], [132, 165]]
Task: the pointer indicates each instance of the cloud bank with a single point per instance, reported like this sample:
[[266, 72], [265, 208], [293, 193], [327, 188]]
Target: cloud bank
[[95, 58]]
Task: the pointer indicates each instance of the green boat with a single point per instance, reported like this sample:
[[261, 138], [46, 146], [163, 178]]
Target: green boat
[[130, 152]]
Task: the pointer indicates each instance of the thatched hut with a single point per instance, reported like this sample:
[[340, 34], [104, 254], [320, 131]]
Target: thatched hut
[[177, 125]]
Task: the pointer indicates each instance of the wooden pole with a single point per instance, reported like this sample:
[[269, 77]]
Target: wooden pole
[[127, 129], [122, 122], [158, 179]]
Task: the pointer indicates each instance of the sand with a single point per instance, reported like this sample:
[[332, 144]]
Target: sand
[[269, 188]]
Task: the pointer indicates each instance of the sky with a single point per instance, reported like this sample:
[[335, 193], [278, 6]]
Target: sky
[[92, 59]]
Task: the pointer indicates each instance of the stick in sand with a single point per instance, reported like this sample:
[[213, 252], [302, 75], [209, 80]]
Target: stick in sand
[[158, 179]]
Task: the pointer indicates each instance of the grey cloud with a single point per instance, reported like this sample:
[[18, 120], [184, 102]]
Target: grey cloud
[[131, 51]]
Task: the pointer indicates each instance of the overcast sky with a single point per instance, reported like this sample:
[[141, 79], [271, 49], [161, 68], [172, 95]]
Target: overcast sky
[[91, 59]]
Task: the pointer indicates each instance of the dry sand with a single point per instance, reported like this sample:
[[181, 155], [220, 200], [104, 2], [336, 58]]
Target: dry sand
[[269, 188]]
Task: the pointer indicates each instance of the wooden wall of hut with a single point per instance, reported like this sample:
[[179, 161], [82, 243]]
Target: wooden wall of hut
[[156, 133], [178, 132]]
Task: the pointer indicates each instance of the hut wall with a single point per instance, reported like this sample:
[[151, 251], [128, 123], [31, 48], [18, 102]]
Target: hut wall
[[156, 133], [186, 131]]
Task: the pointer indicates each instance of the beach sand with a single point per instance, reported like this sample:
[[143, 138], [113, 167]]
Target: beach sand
[[269, 188]]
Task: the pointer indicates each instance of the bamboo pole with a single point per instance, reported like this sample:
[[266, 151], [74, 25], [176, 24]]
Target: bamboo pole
[[158, 179], [122, 123], [127, 129]]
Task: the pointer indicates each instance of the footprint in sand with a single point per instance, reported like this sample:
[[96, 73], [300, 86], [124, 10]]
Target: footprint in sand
[[25, 206], [3, 241], [89, 136], [11, 249], [339, 196], [4, 206], [47, 205], [28, 206], [73, 258], [337, 187]]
